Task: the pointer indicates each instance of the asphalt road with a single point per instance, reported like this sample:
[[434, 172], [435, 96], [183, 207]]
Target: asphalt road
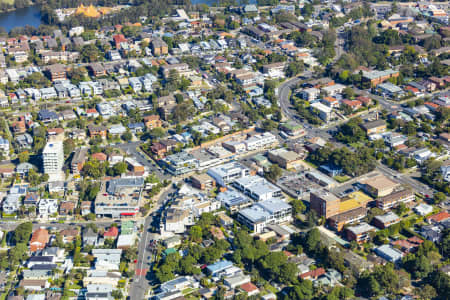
[[140, 283], [406, 180], [284, 92]]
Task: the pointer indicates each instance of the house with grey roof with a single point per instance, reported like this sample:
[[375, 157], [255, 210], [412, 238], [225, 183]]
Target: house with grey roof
[[89, 236]]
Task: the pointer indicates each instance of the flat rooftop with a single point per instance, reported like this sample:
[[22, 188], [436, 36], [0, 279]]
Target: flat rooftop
[[380, 182], [361, 228], [120, 192]]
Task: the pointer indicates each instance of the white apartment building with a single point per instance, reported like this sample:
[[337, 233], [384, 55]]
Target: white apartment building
[[264, 213], [53, 157], [227, 173], [47, 207], [105, 110], [260, 141], [257, 188]]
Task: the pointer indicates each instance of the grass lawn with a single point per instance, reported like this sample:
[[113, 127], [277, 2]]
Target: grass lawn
[[187, 291], [74, 287], [341, 178]]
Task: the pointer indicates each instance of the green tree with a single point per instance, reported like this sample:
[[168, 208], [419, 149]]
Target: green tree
[[312, 239], [298, 206], [382, 279], [439, 197], [349, 93], [187, 266], [157, 133], [90, 53], [127, 136], [426, 292], [22, 233], [120, 168], [117, 294], [69, 146], [274, 172], [23, 156], [418, 265], [196, 233], [18, 253], [302, 291], [295, 68], [94, 168]]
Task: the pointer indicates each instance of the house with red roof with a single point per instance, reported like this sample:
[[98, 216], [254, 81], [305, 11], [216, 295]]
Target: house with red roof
[[100, 156], [330, 102], [353, 104], [366, 101], [314, 274], [431, 106], [92, 113], [409, 245], [39, 240], [250, 289], [415, 240], [405, 246], [119, 40], [158, 149], [19, 125], [111, 233], [415, 91], [439, 217]]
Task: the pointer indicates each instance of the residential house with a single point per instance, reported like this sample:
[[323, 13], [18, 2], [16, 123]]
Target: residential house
[[89, 236], [39, 239], [69, 235], [66, 208]]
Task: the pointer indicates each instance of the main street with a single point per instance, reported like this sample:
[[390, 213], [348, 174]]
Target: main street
[[140, 284], [284, 97]]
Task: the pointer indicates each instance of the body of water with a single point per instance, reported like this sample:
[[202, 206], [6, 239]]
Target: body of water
[[21, 17]]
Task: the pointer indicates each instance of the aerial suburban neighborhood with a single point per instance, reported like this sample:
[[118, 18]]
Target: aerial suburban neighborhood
[[268, 149]]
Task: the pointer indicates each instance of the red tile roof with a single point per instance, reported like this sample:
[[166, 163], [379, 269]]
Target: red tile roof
[[99, 156], [352, 103], [415, 240], [249, 287], [55, 130], [314, 273], [39, 239], [91, 111], [111, 232], [443, 215]]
